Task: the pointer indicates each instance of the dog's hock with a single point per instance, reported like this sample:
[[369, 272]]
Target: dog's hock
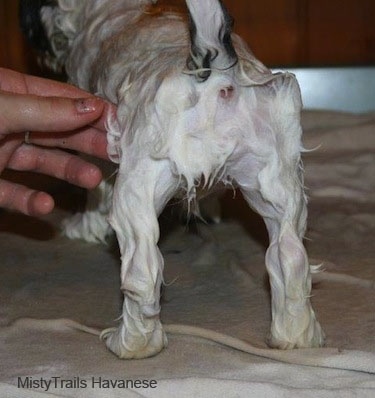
[[210, 35]]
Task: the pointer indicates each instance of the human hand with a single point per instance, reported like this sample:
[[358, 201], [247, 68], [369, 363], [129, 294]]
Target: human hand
[[60, 116]]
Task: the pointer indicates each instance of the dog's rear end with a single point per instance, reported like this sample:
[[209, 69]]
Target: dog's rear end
[[195, 107]]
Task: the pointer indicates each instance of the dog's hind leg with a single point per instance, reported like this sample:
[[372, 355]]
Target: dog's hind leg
[[91, 225], [279, 199], [141, 192], [270, 175]]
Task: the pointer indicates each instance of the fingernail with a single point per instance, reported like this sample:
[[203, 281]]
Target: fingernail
[[87, 105]]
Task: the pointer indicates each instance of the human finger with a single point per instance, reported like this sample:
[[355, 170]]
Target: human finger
[[20, 83], [29, 112], [87, 140], [55, 163], [25, 200]]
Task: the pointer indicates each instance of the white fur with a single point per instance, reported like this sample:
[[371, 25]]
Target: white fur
[[174, 132]]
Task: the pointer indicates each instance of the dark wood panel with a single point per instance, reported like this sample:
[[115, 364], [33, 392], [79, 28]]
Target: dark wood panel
[[272, 28], [14, 52], [341, 32], [308, 32]]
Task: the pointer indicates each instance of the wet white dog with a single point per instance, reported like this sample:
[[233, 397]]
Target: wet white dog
[[195, 108]]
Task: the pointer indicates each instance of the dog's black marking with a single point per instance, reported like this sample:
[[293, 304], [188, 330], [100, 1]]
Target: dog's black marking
[[203, 58]]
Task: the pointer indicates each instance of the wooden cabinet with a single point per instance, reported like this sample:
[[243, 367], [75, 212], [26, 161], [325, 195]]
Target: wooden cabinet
[[280, 32], [308, 32], [341, 32], [13, 51]]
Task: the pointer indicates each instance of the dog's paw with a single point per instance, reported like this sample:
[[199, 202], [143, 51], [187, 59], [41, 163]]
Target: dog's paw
[[129, 346], [312, 337]]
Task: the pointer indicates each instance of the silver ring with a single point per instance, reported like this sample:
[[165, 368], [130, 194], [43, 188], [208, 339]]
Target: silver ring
[[27, 138]]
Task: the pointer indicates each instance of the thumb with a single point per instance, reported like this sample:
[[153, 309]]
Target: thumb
[[20, 113]]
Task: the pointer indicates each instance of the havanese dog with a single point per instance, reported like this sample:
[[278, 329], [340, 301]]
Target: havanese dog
[[195, 109]]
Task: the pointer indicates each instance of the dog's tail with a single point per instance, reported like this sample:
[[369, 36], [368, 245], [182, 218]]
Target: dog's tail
[[211, 42]]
